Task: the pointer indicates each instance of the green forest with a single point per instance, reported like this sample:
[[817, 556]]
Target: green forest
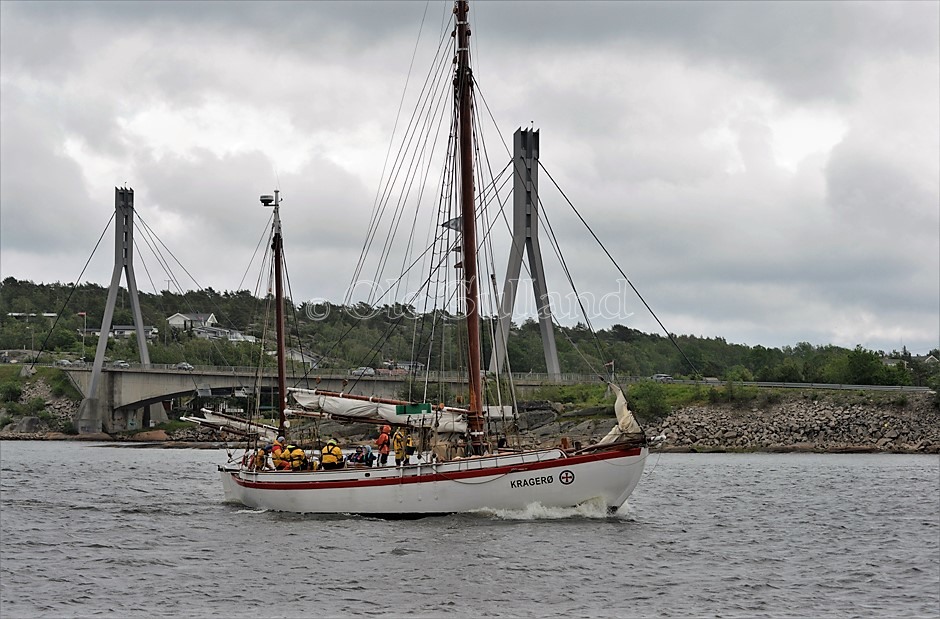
[[361, 335]]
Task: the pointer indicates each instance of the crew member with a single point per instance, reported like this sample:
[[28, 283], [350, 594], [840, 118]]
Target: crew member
[[260, 462], [383, 444], [400, 443], [279, 456], [331, 456], [295, 457]]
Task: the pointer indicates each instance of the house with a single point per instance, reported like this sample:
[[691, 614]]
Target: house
[[150, 332], [191, 321], [926, 359], [27, 316], [219, 333]]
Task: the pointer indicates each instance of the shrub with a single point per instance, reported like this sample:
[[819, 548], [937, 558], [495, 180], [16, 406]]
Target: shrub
[[772, 397], [648, 399], [10, 391]]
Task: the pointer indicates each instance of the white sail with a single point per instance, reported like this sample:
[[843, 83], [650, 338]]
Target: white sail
[[626, 422], [221, 421], [445, 421]]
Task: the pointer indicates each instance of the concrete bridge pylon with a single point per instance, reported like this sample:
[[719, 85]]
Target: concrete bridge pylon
[[94, 414]]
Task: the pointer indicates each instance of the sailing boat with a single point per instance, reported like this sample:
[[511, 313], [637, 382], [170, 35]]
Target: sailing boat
[[481, 476]]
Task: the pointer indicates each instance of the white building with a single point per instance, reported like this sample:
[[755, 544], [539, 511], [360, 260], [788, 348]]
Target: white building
[[191, 321]]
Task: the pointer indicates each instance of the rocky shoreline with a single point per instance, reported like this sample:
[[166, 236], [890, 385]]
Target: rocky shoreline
[[805, 425], [824, 422]]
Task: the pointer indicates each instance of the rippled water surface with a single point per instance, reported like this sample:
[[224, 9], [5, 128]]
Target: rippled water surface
[[98, 531]]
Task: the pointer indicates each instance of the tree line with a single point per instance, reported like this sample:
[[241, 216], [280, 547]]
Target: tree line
[[361, 335]]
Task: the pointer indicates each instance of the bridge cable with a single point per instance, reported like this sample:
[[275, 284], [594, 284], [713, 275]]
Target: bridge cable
[[65, 304]]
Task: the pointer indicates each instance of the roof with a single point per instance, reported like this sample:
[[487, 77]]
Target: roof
[[200, 317]]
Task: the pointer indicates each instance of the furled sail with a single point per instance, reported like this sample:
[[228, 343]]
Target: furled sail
[[626, 423], [229, 423], [447, 420]]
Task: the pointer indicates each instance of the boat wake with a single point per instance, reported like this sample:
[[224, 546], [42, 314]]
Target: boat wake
[[593, 509], [251, 511]]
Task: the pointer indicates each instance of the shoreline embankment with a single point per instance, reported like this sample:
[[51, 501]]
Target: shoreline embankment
[[814, 421]]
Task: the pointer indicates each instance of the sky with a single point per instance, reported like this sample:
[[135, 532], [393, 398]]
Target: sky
[[767, 173]]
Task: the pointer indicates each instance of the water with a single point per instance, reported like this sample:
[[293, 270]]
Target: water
[[95, 531]]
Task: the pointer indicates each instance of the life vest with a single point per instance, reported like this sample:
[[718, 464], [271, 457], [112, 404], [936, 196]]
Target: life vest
[[280, 456], [331, 454], [382, 443], [295, 456], [400, 442]]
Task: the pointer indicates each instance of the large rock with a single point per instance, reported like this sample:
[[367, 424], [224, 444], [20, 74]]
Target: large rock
[[28, 425]]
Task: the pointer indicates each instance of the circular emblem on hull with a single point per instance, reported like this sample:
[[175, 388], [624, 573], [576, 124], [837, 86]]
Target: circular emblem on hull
[[566, 477]]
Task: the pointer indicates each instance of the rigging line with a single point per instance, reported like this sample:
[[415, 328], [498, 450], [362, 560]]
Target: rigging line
[[516, 169], [212, 341], [140, 255], [377, 347], [617, 266], [352, 326], [553, 241], [415, 146], [65, 304], [401, 104], [293, 309], [257, 247], [382, 193], [487, 239], [478, 90], [198, 285], [425, 175]]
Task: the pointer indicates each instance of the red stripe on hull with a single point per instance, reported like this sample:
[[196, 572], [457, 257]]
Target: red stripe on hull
[[433, 477]]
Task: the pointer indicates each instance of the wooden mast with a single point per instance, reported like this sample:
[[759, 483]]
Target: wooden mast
[[463, 84], [277, 247]]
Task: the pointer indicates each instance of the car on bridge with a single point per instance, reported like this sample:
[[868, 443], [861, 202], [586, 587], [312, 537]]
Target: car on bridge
[[63, 362], [661, 378], [121, 364], [363, 371], [182, 365]]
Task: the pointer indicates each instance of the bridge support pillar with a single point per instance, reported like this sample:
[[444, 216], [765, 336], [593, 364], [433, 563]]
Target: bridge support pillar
[[90, 416], [158, 414]]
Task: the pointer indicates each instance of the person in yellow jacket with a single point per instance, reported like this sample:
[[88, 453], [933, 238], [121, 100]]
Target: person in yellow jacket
[[279, 456], [403, 446], [296, 457], [260, 460], [331, 456]]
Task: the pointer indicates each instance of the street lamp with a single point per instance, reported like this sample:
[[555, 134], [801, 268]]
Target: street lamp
[[84, 316]]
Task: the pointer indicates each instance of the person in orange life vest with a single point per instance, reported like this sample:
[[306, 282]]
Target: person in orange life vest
[[280, 457], [383, 443], [331, 456]]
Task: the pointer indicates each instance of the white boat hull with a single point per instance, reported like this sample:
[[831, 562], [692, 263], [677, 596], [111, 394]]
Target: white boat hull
[[547, 477]]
